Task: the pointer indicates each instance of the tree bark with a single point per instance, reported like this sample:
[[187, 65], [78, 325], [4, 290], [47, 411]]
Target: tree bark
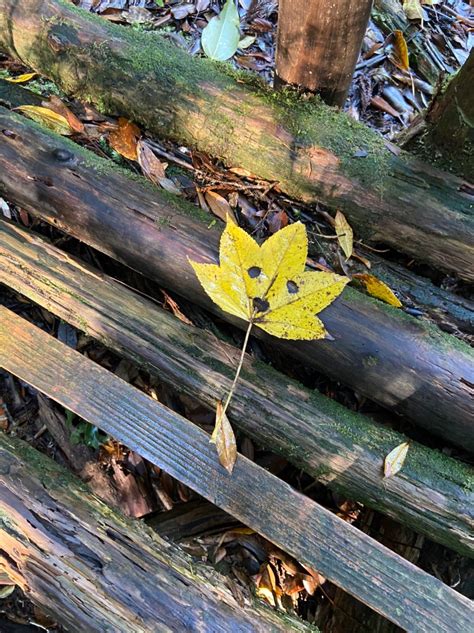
[[308, 148], [268, 505], [93, 570], [338, 447], [400, 362], [450, 122], [318, 44]]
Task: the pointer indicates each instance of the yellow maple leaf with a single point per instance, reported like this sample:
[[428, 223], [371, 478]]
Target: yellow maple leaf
[[267, 285]]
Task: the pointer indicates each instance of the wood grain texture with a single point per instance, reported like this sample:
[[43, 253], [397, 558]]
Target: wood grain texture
[[375, 575], [318, 44], [401, 363], [312, 151], [93, 570], [433, 493]]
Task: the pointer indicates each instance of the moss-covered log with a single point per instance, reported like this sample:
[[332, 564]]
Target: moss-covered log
[[312, 151], [340, 448], [316, 537], [402, 363], [93, 570], [450, 123], [452, 313]]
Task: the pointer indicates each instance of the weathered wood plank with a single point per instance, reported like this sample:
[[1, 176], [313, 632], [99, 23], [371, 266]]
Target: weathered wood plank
[[400, 362], [308, 148], [434, 494], [93, 570], [378, 577]]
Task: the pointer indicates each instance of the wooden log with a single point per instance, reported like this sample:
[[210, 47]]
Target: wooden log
[[308, 148], [93, 570], [340, 448], [400, 362], [450, 123], [452, 313], [318, 45], [313, 535]]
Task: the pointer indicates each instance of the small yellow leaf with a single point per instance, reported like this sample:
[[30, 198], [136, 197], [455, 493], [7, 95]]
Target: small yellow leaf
[[344, 234], [413, 9], [268, 285], [401, 51], [21, 79], [52, 120], [124, 138], [395, 459], [55, 104], [378, 289], [224, 439]]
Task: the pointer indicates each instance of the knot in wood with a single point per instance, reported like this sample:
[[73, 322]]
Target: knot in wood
[[57, 43], [63, 155]]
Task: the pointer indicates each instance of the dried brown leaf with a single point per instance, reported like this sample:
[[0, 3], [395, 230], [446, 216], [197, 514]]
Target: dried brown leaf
[[224, 439], [401, 51], [124, 138], [219, 206], [151, 165]]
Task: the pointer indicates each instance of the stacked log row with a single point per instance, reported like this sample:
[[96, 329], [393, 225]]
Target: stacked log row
[[313, 152], [400, 362]]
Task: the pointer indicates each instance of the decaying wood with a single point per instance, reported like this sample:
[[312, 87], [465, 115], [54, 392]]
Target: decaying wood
[[400, 362], [313, 535], [192, 519], [433, 493], [93, 570], [318, 44], [450, 122], [346, 613], [313, 152]]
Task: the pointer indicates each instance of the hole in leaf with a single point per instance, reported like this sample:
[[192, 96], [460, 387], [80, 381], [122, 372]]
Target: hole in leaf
[[292, 287], [254, 271], [261, 305]]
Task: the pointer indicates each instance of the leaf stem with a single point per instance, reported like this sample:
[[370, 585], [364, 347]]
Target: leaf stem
[[237, 373]]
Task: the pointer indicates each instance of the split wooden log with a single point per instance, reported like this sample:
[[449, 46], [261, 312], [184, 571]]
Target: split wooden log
[[313, 535], [93, 570], [318, 44], [433, 494], [313, 152], [400, 362]]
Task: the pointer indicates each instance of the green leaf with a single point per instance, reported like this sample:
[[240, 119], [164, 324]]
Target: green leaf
[[220, 38]]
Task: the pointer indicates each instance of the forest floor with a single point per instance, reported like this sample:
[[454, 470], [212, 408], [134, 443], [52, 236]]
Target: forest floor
[[383, 97]]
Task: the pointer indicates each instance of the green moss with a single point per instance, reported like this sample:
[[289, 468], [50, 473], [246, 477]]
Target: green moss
[[201, 85]]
